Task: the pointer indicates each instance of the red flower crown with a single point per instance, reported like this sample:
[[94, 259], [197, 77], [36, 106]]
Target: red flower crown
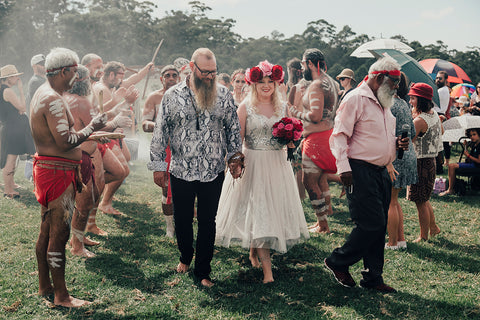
[[264, 69]]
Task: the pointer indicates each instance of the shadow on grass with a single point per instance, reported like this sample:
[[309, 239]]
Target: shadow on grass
[[290, 297], [469, 262]]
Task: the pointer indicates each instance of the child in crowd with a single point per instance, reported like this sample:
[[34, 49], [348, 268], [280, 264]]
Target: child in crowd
[[472, 159]]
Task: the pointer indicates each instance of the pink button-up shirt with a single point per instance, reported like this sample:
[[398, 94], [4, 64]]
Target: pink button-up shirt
[[363, 130]]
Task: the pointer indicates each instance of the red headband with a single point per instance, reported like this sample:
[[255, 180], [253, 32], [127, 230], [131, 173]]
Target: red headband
[[389, 72], [59, 68]]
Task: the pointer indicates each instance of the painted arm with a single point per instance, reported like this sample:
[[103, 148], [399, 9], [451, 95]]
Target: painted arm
[[63, 133]]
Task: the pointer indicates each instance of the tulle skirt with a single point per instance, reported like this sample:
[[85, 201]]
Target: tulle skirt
[[263, 208]]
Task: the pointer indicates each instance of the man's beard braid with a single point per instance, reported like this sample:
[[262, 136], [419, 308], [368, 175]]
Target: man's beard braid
[[205, 93], [385, 95]]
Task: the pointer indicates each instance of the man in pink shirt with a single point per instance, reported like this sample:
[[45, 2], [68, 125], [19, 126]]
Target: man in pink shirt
[[363, 142]]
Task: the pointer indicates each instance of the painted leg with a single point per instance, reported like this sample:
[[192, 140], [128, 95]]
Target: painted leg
[[61, 212], [45, 287]]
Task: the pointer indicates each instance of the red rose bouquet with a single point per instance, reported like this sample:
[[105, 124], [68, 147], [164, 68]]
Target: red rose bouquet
[[288, 130]]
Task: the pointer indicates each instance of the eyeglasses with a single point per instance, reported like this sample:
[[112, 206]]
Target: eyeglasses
[[206, 72], [395, 81], [170, 75]]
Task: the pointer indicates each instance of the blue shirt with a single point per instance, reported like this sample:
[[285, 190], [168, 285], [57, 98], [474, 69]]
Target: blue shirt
[[198, 154]]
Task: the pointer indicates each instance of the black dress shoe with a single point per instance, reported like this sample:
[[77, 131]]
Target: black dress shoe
[[380, 288], [344, 278]]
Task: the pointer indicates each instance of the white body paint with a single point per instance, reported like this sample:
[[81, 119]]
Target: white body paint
[[53, 259]]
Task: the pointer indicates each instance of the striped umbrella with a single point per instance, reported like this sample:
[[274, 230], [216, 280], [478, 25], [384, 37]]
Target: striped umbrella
[[462, 89], [455, 73]]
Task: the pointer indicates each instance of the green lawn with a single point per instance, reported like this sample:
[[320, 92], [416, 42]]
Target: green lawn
[[133, 277]]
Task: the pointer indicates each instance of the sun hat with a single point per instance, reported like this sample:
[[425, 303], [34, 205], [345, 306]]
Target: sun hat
[[9, 71], [346, 73], [463, 100], [37, 59], [421, 90]]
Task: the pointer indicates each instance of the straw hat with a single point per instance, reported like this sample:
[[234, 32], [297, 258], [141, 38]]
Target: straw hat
[[347, 73], [9, 71]]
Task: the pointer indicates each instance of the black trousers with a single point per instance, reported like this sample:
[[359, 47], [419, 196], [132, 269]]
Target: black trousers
[[368, 204], [183, 197]]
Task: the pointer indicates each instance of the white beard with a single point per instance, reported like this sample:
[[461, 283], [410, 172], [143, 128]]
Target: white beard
[[385, 95]]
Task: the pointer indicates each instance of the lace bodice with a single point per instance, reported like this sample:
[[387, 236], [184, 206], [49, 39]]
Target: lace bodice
[[258, 130], [430, 144]]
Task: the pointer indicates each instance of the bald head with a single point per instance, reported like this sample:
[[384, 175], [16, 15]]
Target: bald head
[[203, 53]]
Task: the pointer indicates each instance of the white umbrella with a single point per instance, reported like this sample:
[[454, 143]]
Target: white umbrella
[[362, 51], [455, 127]]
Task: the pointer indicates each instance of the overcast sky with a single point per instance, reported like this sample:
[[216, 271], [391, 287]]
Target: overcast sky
[[455, 22]]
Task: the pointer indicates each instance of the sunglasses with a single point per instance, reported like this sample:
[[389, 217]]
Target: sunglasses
[[341, 79], [395, 81], [206, 72]]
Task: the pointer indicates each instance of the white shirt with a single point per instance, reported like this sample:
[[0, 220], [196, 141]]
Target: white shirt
[[444, 95]]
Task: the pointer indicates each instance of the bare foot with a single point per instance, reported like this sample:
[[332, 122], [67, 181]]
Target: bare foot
[[182, 268], [207, 283], [446, 192], [71, 302], [269, 280], [313, 226], [89, 242], [321, 228], [82, 253], [46, 292], [434, 232], [96, 230], [110, 210], [419, 239], [255, 262]]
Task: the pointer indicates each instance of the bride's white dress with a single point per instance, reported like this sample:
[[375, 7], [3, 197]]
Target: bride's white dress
[[263, 208]]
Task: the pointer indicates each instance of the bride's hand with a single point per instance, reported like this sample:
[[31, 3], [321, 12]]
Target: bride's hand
[[235, 170]]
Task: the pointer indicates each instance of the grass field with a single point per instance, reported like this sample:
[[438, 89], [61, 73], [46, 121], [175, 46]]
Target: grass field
[[133, 277]]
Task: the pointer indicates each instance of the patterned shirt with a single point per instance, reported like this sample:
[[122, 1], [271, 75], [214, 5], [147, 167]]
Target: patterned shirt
[[200, 142]]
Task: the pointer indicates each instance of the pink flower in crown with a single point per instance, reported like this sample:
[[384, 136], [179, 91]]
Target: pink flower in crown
[[266, 67]]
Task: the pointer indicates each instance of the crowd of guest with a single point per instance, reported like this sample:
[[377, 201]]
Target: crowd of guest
[[215, 158]]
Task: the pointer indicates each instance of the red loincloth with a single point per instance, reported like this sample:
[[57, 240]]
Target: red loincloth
[[53, 175], [102, 147], [317, 147], [87, 169]]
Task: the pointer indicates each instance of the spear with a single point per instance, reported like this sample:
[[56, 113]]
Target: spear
[[148, 74]]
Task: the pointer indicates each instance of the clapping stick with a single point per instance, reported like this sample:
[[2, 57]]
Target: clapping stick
[[148, 74]]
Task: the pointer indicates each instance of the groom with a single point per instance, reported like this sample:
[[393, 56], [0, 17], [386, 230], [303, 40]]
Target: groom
[[198, 120]]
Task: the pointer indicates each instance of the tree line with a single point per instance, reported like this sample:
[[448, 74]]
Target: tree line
[[128, 31]]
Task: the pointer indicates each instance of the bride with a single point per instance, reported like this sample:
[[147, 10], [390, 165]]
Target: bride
[[262, 211]]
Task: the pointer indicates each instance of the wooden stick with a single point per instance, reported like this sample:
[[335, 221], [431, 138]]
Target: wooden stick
[[148, 74], [100, 101], [131, 70]]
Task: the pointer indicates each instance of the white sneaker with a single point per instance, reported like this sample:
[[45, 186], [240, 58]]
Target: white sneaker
[[391, 247], [402, 244], [170, 227]]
